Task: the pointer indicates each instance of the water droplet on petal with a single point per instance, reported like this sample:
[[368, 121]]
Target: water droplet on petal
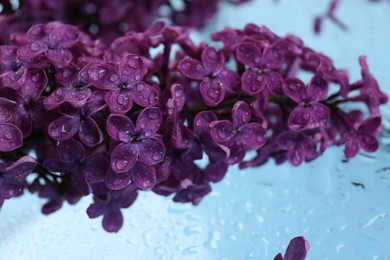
[[35, 77], [122, 99], [140, 87], [114, 78], [35, 47], [121, 164], [198, 67], [156, 157], [153, 98], [8, 135], [148, 133]]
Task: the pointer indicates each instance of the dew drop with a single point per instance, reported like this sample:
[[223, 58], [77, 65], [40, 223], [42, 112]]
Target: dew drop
[[35, 47], [121, 164], [122, 99], [186, 66], [140, 87], [114, 78], [35, 77], [156, 157], [148, 133], [8, 135], [198, 67], [153, 98]]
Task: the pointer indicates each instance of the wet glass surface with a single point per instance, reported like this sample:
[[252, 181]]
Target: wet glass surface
[[342, 208]]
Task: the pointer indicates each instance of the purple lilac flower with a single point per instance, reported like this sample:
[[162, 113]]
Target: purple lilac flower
[[53, 39], [110, 204], [84, 169], [363, 136], [239, 135], [216, 80], [12, 70], [309, 113], [125, 84], [79, 120], [138, 143], [12, 177], [10, 136], [297, 250], [263, 68]]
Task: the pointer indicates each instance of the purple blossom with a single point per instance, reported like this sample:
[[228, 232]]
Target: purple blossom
[[12, 70], [240, 135], [138, 143], [363, 136], [12, 176], [79, 120], [84, 169], [125, 84], [53, 39], [110, 204], [216, 80], [10, 136], [264, 65], [309, 113], [299, 146]]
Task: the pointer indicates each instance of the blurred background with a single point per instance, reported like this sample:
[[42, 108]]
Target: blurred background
[[342, 208]]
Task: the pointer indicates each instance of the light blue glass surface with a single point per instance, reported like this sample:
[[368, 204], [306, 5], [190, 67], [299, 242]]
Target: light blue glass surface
[[251, 214]]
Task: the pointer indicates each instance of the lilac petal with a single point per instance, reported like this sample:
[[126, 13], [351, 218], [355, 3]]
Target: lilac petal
[[202, 122], [80, 183], [120, 127], [132, 69], [145, 94], [297, 249], [296, 90], [57, 165], [104, 76], [273, 56], [296, 156], [30, 51], [123, 157], [177, 102], [368, 142], [181, 136], [318, 89], [20, 169], [36, 32], [77, 98], [7, 109], [230, 80], [113, 220], [287, 140], [319, 116], [95, 168], [60, 57], [253, 136], [70, 150], [144, 176], [90, 133], [97, 209], [370, 125], [64, 128], [216, 171], [278, 257], [221, 131], [9, 188], [213, 62], [35, 83], [212, 92], [11, 137], [299, 118], [241, 113], [95, 103], [149, 121], [253, 82], [151, 151], [249, 54], [117, 181], [192, 69], [237, 153], [65, 36], [13, 79], [351, 148], [274, 82]]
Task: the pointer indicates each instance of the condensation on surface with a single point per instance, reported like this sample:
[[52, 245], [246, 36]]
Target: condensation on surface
[[342, 208]]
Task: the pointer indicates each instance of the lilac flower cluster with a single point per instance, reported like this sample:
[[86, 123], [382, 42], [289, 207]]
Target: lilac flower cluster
[[80, 118], [106, 19]]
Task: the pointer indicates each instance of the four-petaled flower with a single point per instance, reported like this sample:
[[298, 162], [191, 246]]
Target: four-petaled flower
[[363, 136], [263, 68], [309, 113], [240, 135], [10, 136], [216, 80], [53, 39], [84, 169], [138, 143], [125, 84]]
